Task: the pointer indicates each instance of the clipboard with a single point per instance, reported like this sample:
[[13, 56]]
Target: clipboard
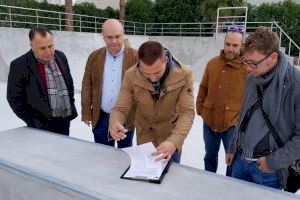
[[143, 178]]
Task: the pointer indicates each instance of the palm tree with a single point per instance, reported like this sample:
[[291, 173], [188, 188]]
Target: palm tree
[[122, 10], [69, 15]]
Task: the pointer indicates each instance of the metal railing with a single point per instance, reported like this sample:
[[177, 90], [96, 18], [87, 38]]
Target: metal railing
[[19, 17], [240, 18]]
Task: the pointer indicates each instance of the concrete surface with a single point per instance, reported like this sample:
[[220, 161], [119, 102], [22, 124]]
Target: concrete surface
[[35, 164]]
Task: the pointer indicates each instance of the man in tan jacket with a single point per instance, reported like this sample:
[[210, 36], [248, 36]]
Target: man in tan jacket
[[220, 95], [102, 80], [162, 90]]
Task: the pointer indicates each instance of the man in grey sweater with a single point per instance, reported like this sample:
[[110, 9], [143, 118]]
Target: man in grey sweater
[[253, 152]]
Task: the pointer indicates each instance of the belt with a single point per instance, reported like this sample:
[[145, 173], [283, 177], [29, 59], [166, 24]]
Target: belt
[[240, 151]]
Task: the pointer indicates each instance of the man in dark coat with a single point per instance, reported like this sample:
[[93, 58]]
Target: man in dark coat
[[40, 88]]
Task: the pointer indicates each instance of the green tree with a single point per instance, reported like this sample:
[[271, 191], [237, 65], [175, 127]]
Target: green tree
[[286, 13], [178, 11], [140, 10], [209, 8]]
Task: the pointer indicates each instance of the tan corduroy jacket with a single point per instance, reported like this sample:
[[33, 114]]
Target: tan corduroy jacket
[[92, 83], [221, 92], [169, 118]]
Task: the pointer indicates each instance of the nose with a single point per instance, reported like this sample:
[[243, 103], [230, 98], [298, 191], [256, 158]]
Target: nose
[[48, 50], [114, 40], [230, 48], [153, 78]]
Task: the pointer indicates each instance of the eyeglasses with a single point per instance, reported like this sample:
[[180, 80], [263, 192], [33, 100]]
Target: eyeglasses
[[239, 29], [254, 65]]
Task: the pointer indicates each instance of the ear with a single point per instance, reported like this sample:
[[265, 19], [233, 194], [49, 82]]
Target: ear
[[274, 56]]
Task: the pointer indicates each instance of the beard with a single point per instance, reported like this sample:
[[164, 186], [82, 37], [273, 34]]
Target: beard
[[231, 56]]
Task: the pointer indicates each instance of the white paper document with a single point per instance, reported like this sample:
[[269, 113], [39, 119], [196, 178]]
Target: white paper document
[[143, 165]]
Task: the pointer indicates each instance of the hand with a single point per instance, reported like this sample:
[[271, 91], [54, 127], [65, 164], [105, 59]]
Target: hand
[[87, 122], [262, 165], [117, 132], [229, 159], [165, 150]]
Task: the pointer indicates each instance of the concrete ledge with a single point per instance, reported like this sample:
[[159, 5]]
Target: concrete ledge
[[35, 164]]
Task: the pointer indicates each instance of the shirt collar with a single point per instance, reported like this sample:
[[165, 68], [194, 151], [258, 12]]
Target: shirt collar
[[118, 55]]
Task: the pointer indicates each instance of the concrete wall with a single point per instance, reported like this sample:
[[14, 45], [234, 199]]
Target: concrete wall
[[193, 51]]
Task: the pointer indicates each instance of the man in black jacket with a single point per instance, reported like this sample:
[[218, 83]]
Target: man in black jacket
[[40, 88]]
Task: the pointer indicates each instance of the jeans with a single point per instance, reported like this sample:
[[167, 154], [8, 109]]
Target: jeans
[[248, 171], [212, 141], [101, 133]]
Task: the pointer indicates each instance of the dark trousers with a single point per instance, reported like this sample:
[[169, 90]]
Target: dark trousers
[[56, 125], [101, 133], [176, 157], [212, 142]]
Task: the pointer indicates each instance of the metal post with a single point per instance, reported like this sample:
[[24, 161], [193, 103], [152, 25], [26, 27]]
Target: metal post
[[95, 24], [162, 29], [272, 26], [280, 35], [10, 17], [217, 25], [245, 22], [290, 47], [298, 63], [37, 18], [180, 28], [79, 23], [133, 28], [59, 18], [145, 27], [200, 29]]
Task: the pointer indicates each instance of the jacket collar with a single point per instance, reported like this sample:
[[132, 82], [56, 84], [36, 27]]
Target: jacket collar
[[33, 66]]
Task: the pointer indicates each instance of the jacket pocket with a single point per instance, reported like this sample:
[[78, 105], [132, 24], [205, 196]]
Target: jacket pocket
[[174, 86]]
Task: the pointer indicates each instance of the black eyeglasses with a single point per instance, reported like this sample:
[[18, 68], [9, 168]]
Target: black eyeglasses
[[254, 65], [239, 29]]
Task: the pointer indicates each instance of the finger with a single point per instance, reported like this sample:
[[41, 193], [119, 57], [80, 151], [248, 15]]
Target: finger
[[155, 153], [113, 135], [168, 158], [161, 157], [120, 135], [121, 128]]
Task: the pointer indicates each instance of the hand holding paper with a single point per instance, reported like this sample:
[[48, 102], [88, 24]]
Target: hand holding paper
[[143, 165], [165, 150]]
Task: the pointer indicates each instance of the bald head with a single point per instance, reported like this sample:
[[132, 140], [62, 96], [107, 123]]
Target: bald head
[[113, 35], [232, 45], [112, 24]]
